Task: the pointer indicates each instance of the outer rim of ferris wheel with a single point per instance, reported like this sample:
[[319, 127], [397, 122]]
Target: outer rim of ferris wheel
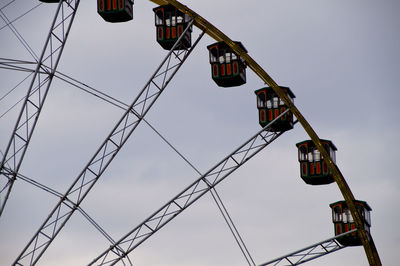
[[212, 31], [215, 33]]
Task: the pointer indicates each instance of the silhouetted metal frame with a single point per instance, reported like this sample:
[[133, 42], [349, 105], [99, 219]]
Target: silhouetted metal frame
[[55, 193], [91, 173], [212, 31], [36, 96], [366, 239], [312, 252], [18, 65], [189, 195]]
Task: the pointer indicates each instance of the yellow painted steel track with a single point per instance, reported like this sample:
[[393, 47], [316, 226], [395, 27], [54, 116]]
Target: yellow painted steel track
[[212, 31]]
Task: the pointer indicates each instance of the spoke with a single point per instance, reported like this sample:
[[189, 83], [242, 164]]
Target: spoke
[[20, 16], [67, 202], [36, 95], [190, 195], [123, 106], [18, 35], [311, 252], [103, 157]]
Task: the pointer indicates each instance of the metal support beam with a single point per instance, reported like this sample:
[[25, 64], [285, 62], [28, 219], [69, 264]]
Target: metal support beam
[[17, 65], [212, 31], [309, 253], [68, 203], [104, 155], [189, 195], [36, 95]]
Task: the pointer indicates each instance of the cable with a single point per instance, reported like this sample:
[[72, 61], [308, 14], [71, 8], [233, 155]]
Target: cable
[[1, 8], [16, 86], [4, 96], [232, 227], [218, 201], [18, 35], [59, 195], [23, 98], [214, 193], [17, 18], [2, 154]]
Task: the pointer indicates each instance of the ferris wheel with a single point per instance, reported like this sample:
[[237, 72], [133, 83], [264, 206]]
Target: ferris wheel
[[176, 27]]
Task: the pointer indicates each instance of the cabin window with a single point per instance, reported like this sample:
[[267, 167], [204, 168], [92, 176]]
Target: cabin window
[[367, 217], [337, 214], [261, 100], [351, 220], [159, 18], [303, 153], [225, 56], [275, 100], [347, 218], [221, 58], [179, 19], [360, 210], [213, 54], [327, 148], [269, 104], [187, 17], [228, 57], [310, 157], [333, 155], [317, 155], [168, 22], [170, 19]]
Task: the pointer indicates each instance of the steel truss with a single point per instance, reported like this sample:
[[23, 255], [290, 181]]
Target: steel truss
[[72, 204], [23, 132], [366, 239], [18, 65], [36, 96], [309, 253], [188, 196], [91, 173]]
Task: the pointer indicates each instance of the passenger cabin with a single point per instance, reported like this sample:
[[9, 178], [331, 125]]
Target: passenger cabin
[[313, 168], [170, 25], [115, 10], [270, 106], [343, 221], [227, 68]]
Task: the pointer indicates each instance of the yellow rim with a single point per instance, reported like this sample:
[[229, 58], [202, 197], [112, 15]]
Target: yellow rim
[[212, 31]]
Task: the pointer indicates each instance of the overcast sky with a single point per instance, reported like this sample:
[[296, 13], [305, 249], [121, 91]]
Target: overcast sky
[[340, 58]]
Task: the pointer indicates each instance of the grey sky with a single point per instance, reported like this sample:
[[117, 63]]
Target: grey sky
[[341, 60]]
